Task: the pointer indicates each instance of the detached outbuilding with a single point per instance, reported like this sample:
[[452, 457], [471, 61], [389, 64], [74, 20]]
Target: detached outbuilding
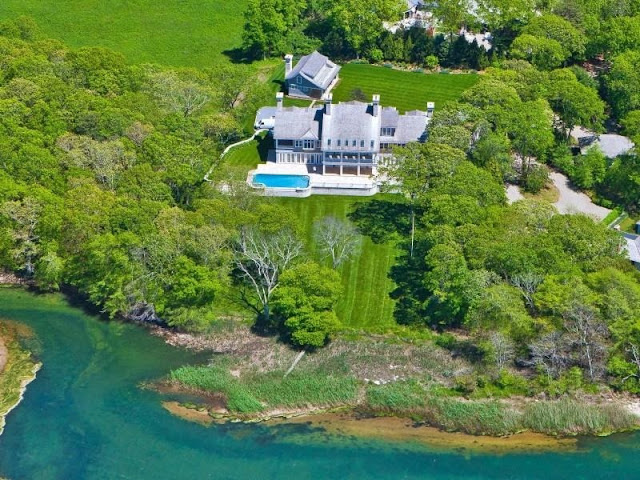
[[312, 76]]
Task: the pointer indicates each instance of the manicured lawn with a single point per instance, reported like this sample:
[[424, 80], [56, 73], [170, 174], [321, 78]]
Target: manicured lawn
[[404, 90], [170, 32], [365, 303]]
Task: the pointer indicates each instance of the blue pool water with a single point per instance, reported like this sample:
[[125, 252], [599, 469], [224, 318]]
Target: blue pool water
[[281, 181]]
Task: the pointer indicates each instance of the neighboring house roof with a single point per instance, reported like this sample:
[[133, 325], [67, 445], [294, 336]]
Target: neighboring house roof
[[611, 144], [316, 68], [295, 123], [632, 246]]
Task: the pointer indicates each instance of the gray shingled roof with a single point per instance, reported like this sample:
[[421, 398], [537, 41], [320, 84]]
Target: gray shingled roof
[[633, 246], [316, 68], [297, 123], [350, 121], [390, 117]]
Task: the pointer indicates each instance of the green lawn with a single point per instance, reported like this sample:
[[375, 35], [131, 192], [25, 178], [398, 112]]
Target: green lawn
[[365, 302], [404, 90], [170, 32]]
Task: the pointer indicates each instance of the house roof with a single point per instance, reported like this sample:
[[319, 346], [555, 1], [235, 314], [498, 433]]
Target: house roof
[[412, 127], [632, 246], [297, 123], [316, 68], [351, 121], [611, 144]]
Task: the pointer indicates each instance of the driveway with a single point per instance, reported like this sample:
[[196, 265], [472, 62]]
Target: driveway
[[571, 201]]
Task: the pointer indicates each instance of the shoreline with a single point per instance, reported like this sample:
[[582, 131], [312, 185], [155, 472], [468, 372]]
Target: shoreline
[[345, 424], [17, 370], [23, 388]]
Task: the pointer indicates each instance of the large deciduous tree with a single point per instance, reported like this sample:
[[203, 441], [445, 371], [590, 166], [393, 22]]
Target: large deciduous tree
[[262, 257], [304, 302], [337, 239]]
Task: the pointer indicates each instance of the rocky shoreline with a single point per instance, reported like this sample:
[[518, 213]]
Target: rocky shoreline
[[23, 388]]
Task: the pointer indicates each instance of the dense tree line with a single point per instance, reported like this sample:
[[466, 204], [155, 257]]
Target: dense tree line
[[101, 189]]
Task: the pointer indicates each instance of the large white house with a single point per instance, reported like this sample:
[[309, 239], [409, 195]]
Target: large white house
[[347, 138]]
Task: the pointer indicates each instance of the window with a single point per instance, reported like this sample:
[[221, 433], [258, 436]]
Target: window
[[299, 80], [361, 143], [387, 131], [298, 143], [353, 143], [338, 142], [328, 142], [309, 144], [373, 143], [346, 143]]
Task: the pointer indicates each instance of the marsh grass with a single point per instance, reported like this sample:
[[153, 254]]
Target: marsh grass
[[270, 391], [572, 417]]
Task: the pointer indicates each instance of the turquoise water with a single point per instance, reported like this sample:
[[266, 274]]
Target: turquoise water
[[85, 418], [281, 181]]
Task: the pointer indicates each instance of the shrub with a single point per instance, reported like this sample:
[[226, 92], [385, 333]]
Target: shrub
[[535, 178]]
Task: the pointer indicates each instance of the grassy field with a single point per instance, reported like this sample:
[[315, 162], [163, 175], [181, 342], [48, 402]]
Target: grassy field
[[404, 90], [171, 32], [365, 303]]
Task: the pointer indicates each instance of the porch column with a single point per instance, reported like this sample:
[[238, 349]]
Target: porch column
[[340, 168]]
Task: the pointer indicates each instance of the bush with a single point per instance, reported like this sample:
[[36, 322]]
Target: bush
[[535, 178]]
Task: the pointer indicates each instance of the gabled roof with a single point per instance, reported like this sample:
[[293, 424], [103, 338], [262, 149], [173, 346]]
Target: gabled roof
[[316, 68], [296, 123], [632, 246]]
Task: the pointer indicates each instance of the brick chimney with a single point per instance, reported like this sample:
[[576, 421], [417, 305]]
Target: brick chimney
[[376, 105], [288, 64], [279, 100]]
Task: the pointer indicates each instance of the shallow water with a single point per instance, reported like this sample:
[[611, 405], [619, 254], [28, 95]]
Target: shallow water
[[84, 417]]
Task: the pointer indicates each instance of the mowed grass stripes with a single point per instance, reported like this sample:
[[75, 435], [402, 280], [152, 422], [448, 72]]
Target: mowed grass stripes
[[365, 303], [180, 33], [400, 89]]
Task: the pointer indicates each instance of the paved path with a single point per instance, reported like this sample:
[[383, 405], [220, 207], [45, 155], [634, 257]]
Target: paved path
[[234, 145], [571, 201]]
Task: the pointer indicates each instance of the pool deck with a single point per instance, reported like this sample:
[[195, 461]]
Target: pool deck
[[349, 185]]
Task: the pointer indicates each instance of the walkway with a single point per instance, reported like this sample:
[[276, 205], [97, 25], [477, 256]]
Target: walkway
[[234, 145]]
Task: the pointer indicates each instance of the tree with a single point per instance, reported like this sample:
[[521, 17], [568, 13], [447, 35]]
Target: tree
[[453, 14], [267, 23], [337, 239], [25, 215], [544, 53], [622, 83], [588, 333], [417, 168], [304, 303], [262, 257], [499, 14], [358, 23], [178, 95], [557, 28], [574, 103]]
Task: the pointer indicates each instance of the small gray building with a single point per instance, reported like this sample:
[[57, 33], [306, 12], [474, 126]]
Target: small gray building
[[311, 77]]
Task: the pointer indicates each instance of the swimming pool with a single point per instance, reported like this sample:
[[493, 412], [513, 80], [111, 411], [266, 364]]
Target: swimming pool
[[270, 180]]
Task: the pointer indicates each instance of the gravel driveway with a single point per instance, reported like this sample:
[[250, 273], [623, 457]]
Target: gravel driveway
[[571, 201]]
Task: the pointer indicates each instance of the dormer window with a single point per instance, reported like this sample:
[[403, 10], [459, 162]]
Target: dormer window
[[373, 143], [387, 131], [338, 142], [361, 143], [353, 143], [328, 142]]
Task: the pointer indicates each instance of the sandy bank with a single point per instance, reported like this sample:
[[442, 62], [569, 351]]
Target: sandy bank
[[3, 355], [391, 429], [23, 387]]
